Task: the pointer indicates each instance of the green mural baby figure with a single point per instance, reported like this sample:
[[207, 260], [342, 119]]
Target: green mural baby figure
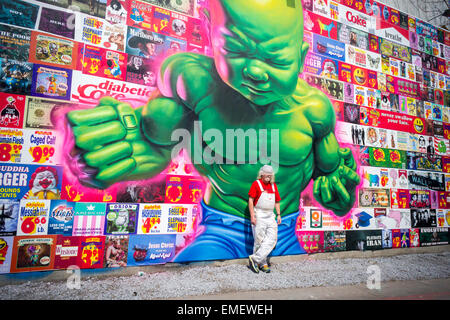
[[251, 82]]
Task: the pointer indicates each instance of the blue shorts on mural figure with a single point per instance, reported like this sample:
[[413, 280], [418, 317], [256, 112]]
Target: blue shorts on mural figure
[[227, 236]]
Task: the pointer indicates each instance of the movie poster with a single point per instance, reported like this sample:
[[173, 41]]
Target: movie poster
[[33, 253], [51, 82], [6, 248], [423, 218], [374, 197], [9, 215], [433, 236], [150, 249], [121, 218], [12, 110], [14, 43], [57, 22], [386, 235], [15, 76], [144, 43], [61, 217], [116, 251], [363, 240], [19, 13], [116, 11], [334, 241]]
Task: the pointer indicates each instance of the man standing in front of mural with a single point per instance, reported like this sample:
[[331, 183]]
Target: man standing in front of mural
[[263, 199], [250, 83]]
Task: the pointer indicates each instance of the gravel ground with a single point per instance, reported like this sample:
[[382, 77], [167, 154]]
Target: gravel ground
[[203, 280]]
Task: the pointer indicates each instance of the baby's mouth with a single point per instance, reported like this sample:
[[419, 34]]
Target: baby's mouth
[[255, 90]]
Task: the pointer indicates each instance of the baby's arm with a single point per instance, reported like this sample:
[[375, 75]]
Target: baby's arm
[[335, 177], [121, 143]]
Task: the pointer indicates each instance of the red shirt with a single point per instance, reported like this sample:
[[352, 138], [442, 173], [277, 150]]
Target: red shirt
[[255, 191]]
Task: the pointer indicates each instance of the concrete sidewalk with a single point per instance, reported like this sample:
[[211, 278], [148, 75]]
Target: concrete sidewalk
[[436, 289]]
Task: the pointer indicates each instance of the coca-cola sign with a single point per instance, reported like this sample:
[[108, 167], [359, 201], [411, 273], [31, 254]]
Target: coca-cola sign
[[89, 89], [356, 19]]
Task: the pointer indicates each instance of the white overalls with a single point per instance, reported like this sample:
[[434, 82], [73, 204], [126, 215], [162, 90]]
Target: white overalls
[[266, 230]]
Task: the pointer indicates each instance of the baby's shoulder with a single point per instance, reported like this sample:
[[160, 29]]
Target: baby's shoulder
[[188, 76], [315, 106]]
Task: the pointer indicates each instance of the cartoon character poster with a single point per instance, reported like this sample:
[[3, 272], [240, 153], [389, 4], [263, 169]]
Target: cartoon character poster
[[52, 50], [104, 63], [12, 110], [33, 253], [150, 249], [30, 182], [51, 82], [121, 218], [140, 15], [91, 252]]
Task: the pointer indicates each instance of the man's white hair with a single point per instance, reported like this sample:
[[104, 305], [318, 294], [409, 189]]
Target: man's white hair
[[262, 172]]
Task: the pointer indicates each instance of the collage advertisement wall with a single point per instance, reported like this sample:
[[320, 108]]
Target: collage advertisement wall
[[96, 186]]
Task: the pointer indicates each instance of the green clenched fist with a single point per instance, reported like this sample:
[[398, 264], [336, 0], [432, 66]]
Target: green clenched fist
[[335, 191], [110, 138]]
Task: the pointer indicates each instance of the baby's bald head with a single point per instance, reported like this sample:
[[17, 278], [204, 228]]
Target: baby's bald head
[[268, 17]]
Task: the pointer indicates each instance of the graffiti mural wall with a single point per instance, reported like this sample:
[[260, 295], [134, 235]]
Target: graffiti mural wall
[[131, 131]]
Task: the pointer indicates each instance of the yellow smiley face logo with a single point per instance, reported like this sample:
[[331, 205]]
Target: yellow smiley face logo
[[418, 125]]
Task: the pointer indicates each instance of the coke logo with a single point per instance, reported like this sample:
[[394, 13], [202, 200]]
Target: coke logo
[[356, 19]]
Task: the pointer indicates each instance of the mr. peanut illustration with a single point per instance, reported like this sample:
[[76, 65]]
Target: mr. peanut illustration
[[251, 82]]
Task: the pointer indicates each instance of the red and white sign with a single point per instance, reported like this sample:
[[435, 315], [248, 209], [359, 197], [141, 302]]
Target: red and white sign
[[356, 19], [392, 32]]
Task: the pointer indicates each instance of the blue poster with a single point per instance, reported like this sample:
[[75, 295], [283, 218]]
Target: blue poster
[[328, 47], [145, 250], [18, 13], [61, 217], [20, 181]]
